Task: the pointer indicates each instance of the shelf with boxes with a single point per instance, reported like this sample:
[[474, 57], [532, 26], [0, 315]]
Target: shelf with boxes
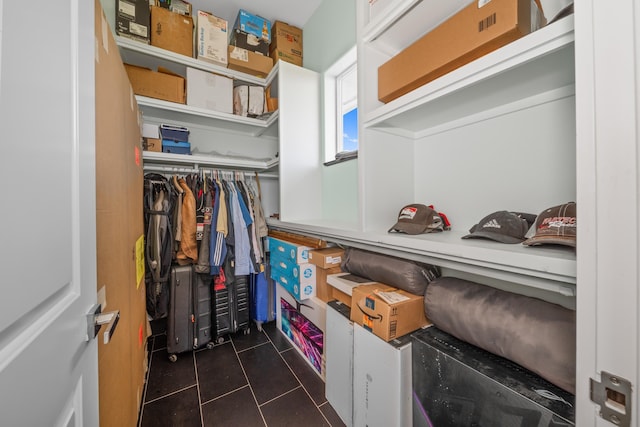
[[533, 69]]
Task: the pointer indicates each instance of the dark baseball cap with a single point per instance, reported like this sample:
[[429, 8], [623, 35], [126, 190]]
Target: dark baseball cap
[[502, 226], [417, 219], [555, 225]]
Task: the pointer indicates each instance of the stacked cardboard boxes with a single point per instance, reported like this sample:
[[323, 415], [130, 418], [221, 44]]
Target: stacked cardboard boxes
[[327, 261], [249, 41], [286, 43]]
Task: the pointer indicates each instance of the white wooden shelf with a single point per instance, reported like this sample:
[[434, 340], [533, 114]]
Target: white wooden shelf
[[171, 112], [548, 268], [167, 161], [145, 55], [534, 69]]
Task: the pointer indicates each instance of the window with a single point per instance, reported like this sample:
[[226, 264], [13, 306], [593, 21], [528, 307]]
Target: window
[[341, 108]]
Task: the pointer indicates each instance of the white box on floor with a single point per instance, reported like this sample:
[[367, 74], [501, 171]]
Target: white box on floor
[[381, 380], [209, 91], [338, 341]]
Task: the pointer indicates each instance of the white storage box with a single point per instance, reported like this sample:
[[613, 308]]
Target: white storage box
[[210, 91]]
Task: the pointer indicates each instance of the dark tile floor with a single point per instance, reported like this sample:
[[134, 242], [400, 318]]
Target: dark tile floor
[[257, 379]]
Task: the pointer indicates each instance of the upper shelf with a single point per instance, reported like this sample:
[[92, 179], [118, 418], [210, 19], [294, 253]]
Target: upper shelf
[[145, 55], [534, 69]]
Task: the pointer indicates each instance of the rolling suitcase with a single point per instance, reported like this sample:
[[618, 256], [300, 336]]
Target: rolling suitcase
[[189, 319], [230, 304]]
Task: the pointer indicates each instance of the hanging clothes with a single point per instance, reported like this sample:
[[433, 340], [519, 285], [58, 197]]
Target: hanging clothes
[[188, 250]]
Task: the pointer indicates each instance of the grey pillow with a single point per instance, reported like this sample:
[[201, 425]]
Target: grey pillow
[[410, 276], [538, 335]]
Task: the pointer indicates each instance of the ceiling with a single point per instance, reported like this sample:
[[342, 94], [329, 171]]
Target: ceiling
[[293, 12]]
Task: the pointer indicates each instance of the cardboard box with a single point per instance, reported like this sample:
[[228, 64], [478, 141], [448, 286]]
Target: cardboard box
[[248, 100], [337, 294], [249, 42], [209, 91], [245, 61], [171, 31], [162, 84], [286, 57], [326, 257], [270, 100], [133, 20], [211, 36], [323, 289], [469, 34], [253, 24], [387, 320], [152, 144], [286, 38]]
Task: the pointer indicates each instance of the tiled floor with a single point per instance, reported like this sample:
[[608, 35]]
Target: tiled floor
[[250, 380]]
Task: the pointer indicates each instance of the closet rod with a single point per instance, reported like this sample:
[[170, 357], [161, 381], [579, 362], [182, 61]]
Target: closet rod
[[174, 169]]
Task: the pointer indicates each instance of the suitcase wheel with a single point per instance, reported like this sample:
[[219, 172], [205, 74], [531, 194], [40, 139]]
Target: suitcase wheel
[[210, 345], [220, 340], [247, 331], [173, 358]]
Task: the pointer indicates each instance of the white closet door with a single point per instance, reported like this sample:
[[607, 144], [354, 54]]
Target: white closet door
[[48, 370], [607, 95]]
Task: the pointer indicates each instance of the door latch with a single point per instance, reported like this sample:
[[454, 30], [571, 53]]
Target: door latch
[[613, 394], [96, 319]]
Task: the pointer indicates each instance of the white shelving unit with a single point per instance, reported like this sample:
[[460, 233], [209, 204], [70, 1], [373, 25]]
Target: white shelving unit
[[205, 125], [471, 142]]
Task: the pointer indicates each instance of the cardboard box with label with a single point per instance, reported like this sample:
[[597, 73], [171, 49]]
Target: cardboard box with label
[[209, 91], [479, 28], [286, 57], [249, 62], [211, 38], [162, 84], [171, 31], [326, 257], [286, 38], [249, 42], [386, 311], [133, 19], [253, 24]]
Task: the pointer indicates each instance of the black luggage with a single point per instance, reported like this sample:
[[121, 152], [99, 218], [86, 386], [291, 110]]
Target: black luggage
[[230, 304], [189, 319]]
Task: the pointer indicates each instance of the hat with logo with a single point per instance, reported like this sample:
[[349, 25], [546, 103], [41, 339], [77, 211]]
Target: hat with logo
[[502, 226], [556, 225], [417, 219]]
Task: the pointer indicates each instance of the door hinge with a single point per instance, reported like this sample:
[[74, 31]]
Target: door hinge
[[613, 394]]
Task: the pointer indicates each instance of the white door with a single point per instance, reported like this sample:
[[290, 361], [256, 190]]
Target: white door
[[608, 142], [48, 370]]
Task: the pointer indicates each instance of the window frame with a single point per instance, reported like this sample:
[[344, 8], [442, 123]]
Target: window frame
[[333, 136]]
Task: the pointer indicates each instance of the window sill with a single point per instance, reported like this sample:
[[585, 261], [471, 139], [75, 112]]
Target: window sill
[[342, 159]]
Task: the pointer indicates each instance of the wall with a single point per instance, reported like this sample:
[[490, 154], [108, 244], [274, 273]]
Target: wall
[[328, 35]]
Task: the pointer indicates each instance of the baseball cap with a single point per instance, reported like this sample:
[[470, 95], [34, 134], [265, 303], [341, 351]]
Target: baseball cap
[[502, 226], [417, 219], [555, 225]]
